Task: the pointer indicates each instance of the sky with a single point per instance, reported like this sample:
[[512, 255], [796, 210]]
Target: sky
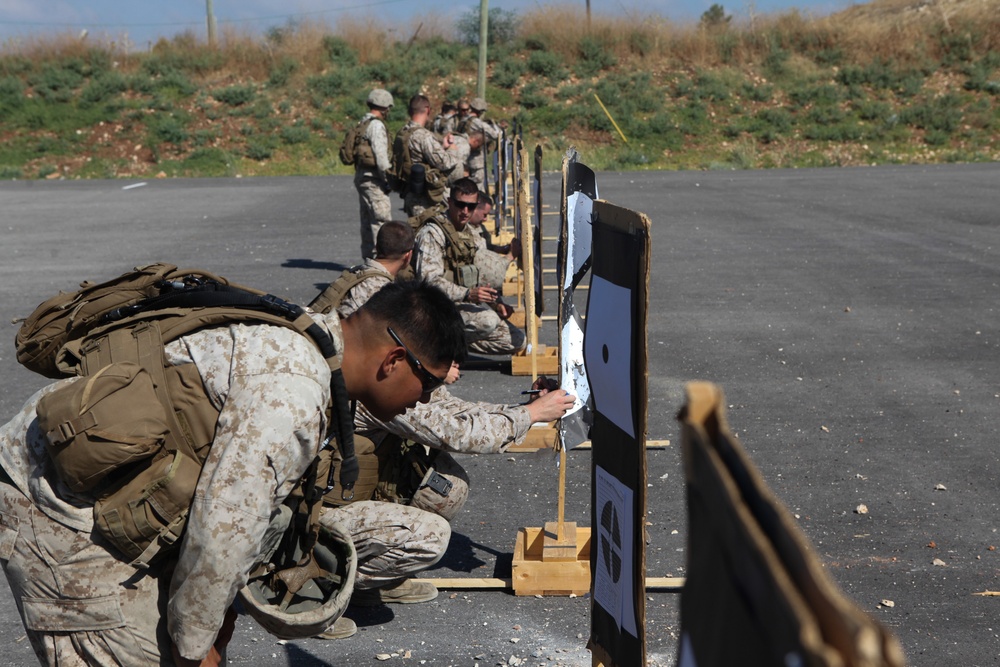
[[144, 21]]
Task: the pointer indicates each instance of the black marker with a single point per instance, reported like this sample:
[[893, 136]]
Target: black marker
[[532, 391]]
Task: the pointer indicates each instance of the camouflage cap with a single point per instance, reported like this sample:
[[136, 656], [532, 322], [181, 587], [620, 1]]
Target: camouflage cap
[[380, 97], [478, 104]]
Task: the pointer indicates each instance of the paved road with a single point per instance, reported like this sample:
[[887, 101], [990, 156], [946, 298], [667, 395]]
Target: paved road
[[850, 315]]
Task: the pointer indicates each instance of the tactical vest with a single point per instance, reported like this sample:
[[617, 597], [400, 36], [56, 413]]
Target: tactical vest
[[435, 182], [357, 149], [464, 126], [134, 429], [460, 248], [333, 295]]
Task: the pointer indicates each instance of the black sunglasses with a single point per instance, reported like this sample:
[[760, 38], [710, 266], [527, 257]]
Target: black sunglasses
[[428, 381], [467, 205]]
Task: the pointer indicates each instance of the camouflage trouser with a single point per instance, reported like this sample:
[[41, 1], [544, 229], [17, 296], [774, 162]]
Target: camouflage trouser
[[393, 541], [450, 504], [79, 604], [486, 333], [376, 210]]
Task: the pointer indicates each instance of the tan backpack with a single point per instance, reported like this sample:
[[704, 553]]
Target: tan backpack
[[134, 429]]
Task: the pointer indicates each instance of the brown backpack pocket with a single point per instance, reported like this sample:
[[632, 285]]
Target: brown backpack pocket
[[97, 424], [149, 512]]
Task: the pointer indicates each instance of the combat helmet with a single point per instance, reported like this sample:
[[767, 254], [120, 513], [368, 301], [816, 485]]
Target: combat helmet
[[305, 599], [380, 97]]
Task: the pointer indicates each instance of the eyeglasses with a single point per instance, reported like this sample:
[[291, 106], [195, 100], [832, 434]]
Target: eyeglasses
[[428, 381], [467, 205]]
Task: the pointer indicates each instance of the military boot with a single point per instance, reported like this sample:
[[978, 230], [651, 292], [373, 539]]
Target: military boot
[[341, 629], [407, 591]]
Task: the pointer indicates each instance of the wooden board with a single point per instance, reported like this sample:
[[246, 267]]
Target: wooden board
[[546, 361], [497, 584]]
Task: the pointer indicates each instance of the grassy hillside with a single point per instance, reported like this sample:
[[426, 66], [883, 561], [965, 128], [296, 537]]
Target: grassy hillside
[[895, 81]]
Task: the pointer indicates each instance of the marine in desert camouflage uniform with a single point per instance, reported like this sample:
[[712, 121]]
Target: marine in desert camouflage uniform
[[447, 425], [371, 182], [444, 123], [81, 603], [472, 123], [393, 252], [486, 326], [425, 149]]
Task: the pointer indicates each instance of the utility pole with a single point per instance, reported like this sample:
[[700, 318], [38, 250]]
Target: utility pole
[[484, 20], [211, 23], [588, 15]]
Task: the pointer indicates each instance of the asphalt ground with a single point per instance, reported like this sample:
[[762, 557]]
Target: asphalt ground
[[850, 315]]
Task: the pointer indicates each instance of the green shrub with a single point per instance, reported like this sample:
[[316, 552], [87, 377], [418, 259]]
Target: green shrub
[[825, 115], [758, 92], [339, 52], [532, 96], [281, 73], [11, 93], [941, 113], [205, 137], [295, 134], [14, 65], [10, 172], [547, 64], [337, 82], [839, 132], [594, 57], [258, 150], [821, 95], [872, 109], [103, 87], [209, 162], [507, 73], [236, 96], [167, 128], [56, 84]]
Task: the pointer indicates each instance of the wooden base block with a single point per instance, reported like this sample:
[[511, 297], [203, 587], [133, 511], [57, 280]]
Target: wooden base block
[[518, 319], [538, 437], [533, 576], [546, 361], [558, 548]]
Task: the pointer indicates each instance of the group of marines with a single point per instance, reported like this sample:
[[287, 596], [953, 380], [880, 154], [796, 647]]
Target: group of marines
[[400, 342]]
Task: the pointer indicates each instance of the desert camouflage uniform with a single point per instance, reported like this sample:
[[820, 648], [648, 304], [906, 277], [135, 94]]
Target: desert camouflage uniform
[[477, 158], [425, 149], [79, 602], [393, 541], [485, 332], [373, 186], [360, 293], [447, 423]]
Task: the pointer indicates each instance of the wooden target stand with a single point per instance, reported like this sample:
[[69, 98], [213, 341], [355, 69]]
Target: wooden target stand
[[552, 560]]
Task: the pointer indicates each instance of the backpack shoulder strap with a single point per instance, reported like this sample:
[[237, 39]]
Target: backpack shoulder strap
[[334, 294]]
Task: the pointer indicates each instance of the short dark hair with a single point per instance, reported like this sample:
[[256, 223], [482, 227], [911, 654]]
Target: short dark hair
[[485, 199], [447, 106], [394, 240], [424, 317], [417, 104], [464, 186]]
